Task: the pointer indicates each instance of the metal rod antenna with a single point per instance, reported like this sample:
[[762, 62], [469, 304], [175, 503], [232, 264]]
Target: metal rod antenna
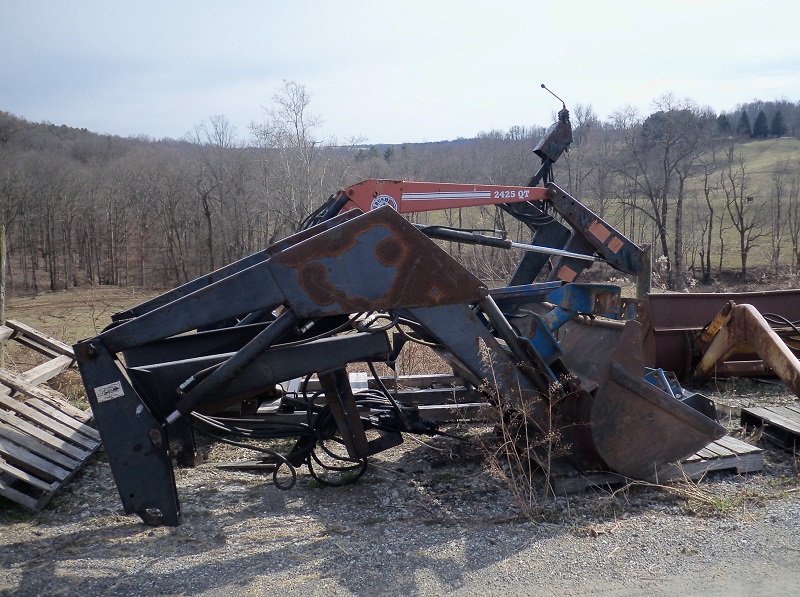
[[563, 105]]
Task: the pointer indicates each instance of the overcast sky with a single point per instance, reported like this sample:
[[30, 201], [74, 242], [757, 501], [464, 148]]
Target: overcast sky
[[386, 72]]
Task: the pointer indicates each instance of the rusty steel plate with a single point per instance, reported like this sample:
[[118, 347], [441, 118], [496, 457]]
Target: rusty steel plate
[[676, 317], [377, 261]]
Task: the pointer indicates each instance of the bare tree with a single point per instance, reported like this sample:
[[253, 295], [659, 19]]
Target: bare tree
[[660, 154], [746, 213], [578, 162], [13, 190], [211, 142], [793, 214], [298, 170], [706, 218], [778, 224]]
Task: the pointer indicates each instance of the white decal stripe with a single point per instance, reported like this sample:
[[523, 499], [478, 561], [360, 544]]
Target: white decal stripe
[[447, 195]]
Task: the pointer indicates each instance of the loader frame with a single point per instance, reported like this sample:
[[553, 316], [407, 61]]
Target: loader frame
[[327, 297]]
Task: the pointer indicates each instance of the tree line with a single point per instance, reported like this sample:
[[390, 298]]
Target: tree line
[[81, 208]]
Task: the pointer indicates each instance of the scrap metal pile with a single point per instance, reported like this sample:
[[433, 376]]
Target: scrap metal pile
[[270, 339]]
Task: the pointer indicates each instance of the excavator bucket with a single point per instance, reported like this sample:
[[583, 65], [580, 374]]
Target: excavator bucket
[[637, 428]]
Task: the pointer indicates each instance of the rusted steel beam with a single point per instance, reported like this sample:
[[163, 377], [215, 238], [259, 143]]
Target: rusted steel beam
[[743, 324], [677, 317]]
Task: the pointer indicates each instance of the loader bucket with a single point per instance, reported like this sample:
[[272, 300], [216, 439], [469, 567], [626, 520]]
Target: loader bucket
[[637, 428]]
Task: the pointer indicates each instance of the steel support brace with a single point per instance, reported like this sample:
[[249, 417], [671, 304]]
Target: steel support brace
[[597, 234], [230, 368], [736, 325], [135, 442], [343, 406], [231, 269]]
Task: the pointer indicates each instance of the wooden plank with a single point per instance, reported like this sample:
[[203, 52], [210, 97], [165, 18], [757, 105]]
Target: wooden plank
[[45, 440], [358, 380], [45, 498], [769, 416], [28, 343], [17, 496], [728, 453], [18, 383], [21, 475], [42, 398], [581, 482], [43, 436], [58, 402], [719, 450], [64, 418], [40, 338], [38, 466], [54, 426], [475, 411], [747, 463], [5, 333], [741, 458], [750, 463], [705, 454], [48, 370], [788, 413], [778, 428], [440, 396], [737, 446], [45, 372], [36, 447]]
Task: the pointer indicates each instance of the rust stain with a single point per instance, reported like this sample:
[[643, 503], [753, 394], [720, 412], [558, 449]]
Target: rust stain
[[566, 274], [599, 231], [388, 263], [615, 245]]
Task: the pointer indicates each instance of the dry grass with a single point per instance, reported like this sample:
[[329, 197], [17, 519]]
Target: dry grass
[[68, 316], [75, 314]]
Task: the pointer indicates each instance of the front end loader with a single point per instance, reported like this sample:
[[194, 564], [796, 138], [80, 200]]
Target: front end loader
[[312, 304], [357, 284]]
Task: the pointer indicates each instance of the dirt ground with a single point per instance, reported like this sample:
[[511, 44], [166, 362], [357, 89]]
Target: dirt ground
[[430, 517]]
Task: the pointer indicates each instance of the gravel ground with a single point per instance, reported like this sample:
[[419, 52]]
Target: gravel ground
[[426, 519]]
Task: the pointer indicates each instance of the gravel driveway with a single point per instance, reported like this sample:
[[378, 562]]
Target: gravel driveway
[[425, 520]]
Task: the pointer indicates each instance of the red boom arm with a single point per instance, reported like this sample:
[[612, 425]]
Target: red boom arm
[[409, 197]]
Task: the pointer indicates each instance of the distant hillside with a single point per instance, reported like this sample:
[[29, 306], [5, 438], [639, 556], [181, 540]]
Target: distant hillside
[[86, 208]]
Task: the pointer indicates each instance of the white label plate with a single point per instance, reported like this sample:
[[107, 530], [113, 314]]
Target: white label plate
[[109, 391]]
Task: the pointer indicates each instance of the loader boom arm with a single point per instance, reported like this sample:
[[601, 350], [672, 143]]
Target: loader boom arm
[[410, 197]]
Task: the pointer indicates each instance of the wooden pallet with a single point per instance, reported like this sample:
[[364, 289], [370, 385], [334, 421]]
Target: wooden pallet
[[780, 424], [44, 440], [726, 454]]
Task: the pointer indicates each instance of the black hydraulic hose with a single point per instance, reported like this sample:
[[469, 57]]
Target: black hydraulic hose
[[776, 320], [280, 459], [326, 211]]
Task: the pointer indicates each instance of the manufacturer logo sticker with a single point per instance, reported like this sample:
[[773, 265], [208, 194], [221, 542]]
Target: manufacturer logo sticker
[[382, 200], [109, 391]]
